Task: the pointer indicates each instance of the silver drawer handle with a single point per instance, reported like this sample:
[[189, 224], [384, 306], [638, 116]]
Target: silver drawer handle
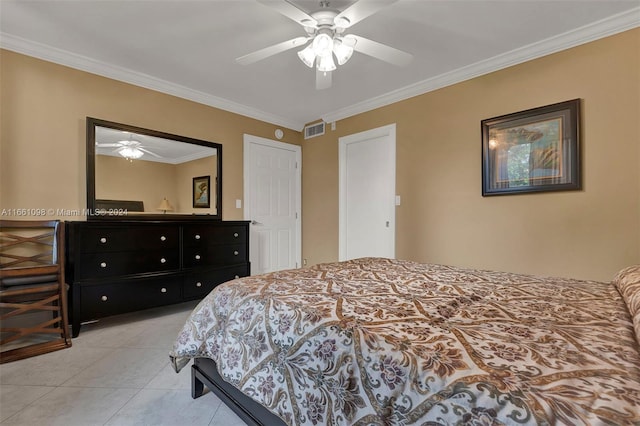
[[163, 260], [103, 240], [163, 238], [103, 264], [235, 252], [235, 234], [198, 284], [197, 257], [163, 290], [197, 236], [104, 298]]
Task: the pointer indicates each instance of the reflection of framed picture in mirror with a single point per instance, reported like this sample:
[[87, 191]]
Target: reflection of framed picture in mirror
[[202, 192], [532, 151]]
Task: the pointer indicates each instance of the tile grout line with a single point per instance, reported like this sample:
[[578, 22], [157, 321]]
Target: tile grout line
[[122, 406]]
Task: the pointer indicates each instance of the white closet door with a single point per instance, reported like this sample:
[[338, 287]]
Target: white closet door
[[367, 194]]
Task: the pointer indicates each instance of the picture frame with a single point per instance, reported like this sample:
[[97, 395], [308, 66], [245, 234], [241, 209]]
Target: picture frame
[[201, 192], [534, 150]]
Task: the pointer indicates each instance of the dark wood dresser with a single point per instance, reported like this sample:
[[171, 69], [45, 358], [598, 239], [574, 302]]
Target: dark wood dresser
[[116, 267]]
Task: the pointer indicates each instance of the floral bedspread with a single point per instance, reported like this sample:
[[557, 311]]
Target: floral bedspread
[[389, 342]]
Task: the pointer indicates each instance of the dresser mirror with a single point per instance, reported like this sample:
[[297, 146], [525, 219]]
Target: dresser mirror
[[137, 173]]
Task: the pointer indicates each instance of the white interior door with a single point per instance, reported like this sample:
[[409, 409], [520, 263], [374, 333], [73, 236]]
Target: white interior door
[[367, 165], [272, 196]]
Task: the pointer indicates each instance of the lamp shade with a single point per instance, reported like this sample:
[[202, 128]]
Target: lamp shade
[[307, 55], [326, 63], [165, 205], [342, 52], [322, 44]]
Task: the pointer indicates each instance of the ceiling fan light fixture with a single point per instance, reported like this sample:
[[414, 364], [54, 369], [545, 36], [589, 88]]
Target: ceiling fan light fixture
[[307, 55], [130, 153], [322, 44], [326, 30], [342, 52], [325, 63]]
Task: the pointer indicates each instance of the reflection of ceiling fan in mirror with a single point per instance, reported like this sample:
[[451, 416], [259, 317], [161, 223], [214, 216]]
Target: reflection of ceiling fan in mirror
[[130, 149], [325, 30]]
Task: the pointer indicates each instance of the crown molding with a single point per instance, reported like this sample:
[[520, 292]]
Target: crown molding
[[609, 26], [606, 27], [83, 63]]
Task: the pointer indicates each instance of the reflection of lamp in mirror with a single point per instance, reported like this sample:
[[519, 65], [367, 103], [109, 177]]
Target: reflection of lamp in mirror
[[165, 205]]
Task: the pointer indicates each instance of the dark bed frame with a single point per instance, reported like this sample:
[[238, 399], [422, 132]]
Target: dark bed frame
[[204, 372]]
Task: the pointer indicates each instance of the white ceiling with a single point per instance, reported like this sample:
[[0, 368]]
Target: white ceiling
[[161, 150], [188, 48]]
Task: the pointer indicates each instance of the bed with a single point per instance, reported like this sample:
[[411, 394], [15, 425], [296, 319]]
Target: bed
[[377, 341]]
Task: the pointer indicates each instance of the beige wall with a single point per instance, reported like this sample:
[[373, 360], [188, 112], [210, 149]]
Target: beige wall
[[151, 181], [43, 109], [146, 181], [443, 217]]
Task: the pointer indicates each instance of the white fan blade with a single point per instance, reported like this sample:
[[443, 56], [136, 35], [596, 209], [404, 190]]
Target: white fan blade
[[290, 11], [149, 152], [271, 50], [323, 80], [108, 145], [378, 50], [360, 10]]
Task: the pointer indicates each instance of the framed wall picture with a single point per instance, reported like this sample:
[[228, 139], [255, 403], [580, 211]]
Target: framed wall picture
[[532, 151], [202, 192]]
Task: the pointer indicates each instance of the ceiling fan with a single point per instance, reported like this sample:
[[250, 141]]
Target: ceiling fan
[[130, 149], [326, 38]]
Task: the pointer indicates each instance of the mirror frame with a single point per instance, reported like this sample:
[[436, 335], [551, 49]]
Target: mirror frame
[[91, 173]]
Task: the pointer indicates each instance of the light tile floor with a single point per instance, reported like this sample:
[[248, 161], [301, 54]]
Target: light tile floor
[[116, 373]]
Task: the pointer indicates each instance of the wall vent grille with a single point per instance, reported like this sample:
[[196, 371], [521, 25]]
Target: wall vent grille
[[313, 130]]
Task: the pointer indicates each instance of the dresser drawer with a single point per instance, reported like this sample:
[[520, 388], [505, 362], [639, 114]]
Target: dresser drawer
[[105, 239], [199, 284], [201, 235], [110, 264], [214, 255], [114, 267], [113, 298]]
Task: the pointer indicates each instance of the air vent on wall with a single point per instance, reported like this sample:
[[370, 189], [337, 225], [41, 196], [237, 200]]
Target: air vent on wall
[[313, 130]]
